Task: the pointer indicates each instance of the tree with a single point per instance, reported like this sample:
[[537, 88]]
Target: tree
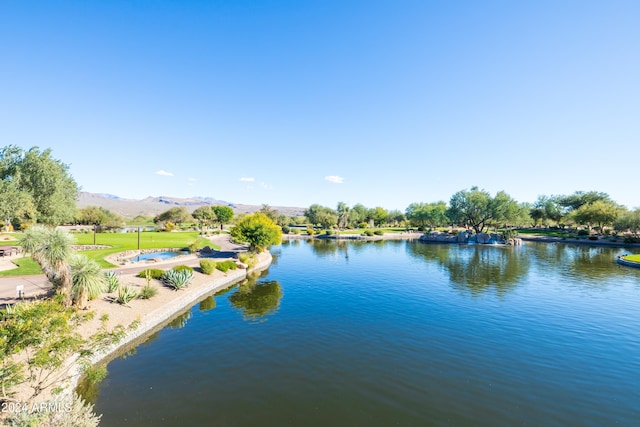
[[505, 210], [257, 299], [395, 217], [42, 179], [599, 213], [14, 203], [268, 211], [224, 214], [87, 279], [321, 215], [258, 230], [357, 215], [204, 214], [51, 249], [94, 215], [628, 221], [177, 215], [427, 214], [581, 198], [378, 215], [343, 211], [472, 208]]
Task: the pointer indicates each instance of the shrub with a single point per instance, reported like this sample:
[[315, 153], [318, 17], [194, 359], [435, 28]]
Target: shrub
[[367, 233], [593, 237], [378, 233], [177, 279], [295, 231], [125, 294], [285, 229], [193, 247], [183, 268], [583, 233], [509, 234], [328, 232], [207, 266], [147, 292], [310, 230], [155, 273], [76, 412], [225, 266], [111, 281], [248, 259]]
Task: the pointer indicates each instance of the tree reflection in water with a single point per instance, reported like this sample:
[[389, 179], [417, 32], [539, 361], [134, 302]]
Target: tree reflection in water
[[477, 269], [257, 299], [207, 304]]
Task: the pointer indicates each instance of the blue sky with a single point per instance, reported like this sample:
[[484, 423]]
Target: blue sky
[[298, 102]]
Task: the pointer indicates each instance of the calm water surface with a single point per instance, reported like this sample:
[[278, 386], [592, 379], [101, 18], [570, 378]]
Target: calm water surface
[[397, 333]]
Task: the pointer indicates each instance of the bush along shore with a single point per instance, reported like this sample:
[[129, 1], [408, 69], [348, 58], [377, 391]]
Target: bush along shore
[[109, 324]]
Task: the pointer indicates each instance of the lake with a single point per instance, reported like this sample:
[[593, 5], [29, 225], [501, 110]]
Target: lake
[[397, 333]]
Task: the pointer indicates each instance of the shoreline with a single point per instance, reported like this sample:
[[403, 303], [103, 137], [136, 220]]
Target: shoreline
[[154, 320]]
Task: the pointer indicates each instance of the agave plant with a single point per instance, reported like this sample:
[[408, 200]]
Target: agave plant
[[112, 281], [177, 279], [126, 294]]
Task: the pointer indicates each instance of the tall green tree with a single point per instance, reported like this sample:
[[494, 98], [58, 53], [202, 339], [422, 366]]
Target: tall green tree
[[177, 215], [224, 214], [472, 207], [204, 215], [258, 230], [427, 214], [321, 215], [600, 213], [41, 178], [628, 221]]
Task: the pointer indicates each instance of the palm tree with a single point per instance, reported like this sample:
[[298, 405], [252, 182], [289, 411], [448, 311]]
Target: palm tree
[[88, 282], [51, 248]]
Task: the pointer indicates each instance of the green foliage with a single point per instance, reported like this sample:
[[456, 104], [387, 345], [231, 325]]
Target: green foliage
[[378, 232], [258, 230], [256, 300], [177, 279], [224, 214], [322, 216], [583, 232], [193, 247], [207, 304], [310, 230], [207, 266], [155, 273], [177, 215], [126, 294], [183, 268], [112, 282], [368, 233], [227, 265], [88, 281], [147, 291], [98, 215], [76, 413], [248, 259], [285, 229], [328, 232], [36, 186], [509, 234]]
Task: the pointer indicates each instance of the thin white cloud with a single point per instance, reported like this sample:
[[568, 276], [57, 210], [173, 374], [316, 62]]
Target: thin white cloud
[[247, 179], [164, 173], [266, 186], [334, 178], [191, 179]]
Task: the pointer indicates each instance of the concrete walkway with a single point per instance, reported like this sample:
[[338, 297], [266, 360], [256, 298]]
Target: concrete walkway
[[37, 286]]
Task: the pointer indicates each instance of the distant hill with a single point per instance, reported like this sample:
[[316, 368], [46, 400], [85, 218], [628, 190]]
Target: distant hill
[[152, 206]]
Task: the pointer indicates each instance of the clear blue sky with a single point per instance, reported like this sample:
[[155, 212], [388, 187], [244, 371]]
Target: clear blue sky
[[297, 102]]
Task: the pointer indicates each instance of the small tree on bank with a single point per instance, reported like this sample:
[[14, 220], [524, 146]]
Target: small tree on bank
[[258, 230]]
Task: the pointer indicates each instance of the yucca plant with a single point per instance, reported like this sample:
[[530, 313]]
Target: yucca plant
[[177, 279], [87, 280], [112, 281], [126, 294]]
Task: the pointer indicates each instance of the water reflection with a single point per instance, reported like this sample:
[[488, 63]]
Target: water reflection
[[477, 269], [207, 304], [180, 321], [257, 299]]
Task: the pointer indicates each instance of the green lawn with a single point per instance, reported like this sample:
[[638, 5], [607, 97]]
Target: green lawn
[[544, 232], [119, 242]]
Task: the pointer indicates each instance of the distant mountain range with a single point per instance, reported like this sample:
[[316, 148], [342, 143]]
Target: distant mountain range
[[152, 206]]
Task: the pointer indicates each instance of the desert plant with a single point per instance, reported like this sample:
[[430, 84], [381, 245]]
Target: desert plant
[[125, 295], [207, 266], [147, 291], [183, 268], [87, 280], [155, 273], [193, 247], [248, 259], [76, 412], [111, 281], [177, 279], [227, 265]]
